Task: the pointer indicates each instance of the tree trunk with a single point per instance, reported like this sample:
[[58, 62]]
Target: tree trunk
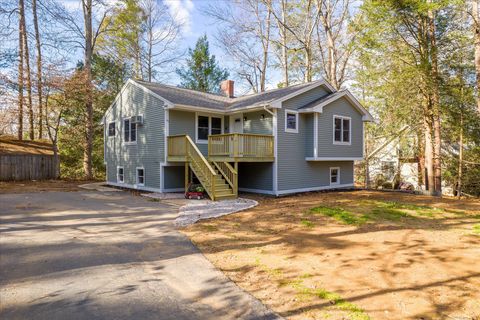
[[476, 27], [266, 42], [308, 64], [20, 69], [283, 33], [460, 158], [39, 70], [26, 55], [429, 178], [437, 145], [88, 146]]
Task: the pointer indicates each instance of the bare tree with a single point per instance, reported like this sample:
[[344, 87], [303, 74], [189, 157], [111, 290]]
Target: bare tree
[[476, 27], [39, 68], [21, 8], [302, 29], [245, 35], [159, 39], [26, 60], [334, 42]]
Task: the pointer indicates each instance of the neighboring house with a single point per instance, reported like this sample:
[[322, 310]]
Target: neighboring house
[[395, 158], [300, 138]]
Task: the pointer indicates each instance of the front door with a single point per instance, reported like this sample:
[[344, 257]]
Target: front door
[[236, 125]]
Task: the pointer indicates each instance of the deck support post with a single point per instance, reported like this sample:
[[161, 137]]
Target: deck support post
[[186, 176]]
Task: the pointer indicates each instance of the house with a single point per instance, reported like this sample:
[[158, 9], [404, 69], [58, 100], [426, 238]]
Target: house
[[300, 138], [394, 159]]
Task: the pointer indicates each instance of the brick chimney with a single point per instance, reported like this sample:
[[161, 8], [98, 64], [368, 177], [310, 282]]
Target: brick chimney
[[227, 87]]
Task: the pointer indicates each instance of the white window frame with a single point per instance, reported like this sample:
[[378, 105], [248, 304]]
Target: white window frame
[[118, 174], [338, 176], [341, 136], [296, 121], [130, 131], [108, 129], [210, 116], [136, 176]]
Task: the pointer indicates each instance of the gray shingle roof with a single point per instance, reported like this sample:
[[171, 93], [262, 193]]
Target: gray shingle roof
[[322, 99], [189, 97]]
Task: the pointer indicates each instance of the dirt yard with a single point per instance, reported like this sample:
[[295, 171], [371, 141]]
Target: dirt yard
[[352, 255], [40, 186]]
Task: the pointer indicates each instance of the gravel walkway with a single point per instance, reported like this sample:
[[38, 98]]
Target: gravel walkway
[[196, 210]]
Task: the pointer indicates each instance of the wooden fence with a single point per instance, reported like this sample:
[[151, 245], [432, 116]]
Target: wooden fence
[[28, 167]]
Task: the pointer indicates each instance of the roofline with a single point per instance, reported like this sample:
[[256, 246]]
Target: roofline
[[278, 102], [211, 110], [133, 82], [366, 116]]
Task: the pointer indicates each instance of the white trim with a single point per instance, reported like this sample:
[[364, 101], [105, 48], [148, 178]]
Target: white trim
[[210, 116], [338, 176], [339, 186], [166, 132], [231, 122], [256, 191], [342, 143], [366, 116], [315, 135], [136, 176], [295, 112], [278, 103], [133, 186], [334, 158], [123, 180], [275, 150]]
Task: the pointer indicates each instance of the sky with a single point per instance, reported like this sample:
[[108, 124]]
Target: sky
[[194, 25]]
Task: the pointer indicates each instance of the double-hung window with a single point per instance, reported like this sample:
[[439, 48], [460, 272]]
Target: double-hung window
[[129, 130], [140, 176], [334, 175], [120, 175], [291, 121], [208, 125], [341, 130], [111, 129]]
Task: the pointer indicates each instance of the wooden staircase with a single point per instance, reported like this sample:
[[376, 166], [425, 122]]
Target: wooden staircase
[[219, 179]]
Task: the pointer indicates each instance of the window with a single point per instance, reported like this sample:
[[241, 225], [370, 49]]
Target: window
[[291, 121], [341, 130], [202, 128], [334, 176], [129, 130], [120, 175], [111, 129], [140, 176], [208, 125]]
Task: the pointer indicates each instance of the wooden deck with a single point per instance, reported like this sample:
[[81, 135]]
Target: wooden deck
[[230, 147], [238, 147]]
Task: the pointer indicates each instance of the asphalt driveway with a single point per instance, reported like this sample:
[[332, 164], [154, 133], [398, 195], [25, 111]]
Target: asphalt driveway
[[92, 255]]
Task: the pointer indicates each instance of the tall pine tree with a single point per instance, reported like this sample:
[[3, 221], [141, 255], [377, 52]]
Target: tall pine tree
[[202, 72]]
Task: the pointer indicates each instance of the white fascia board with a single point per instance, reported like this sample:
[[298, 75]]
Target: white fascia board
[[366, 116], [333, 158]]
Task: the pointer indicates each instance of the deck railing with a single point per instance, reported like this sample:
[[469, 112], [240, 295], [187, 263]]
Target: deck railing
[[229, 174], [236, 145]]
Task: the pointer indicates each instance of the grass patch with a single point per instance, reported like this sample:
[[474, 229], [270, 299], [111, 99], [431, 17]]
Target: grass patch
[[476, 229], [209, 227], [307, 223], [154, 200], [387, 214], [341, 215]]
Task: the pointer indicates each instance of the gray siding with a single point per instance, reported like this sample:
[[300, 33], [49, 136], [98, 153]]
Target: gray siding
[[256, 125], [305, 98], [294, 172], [255, 175], [326, 148], [148, 151], [183, 122], [174, 177]]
